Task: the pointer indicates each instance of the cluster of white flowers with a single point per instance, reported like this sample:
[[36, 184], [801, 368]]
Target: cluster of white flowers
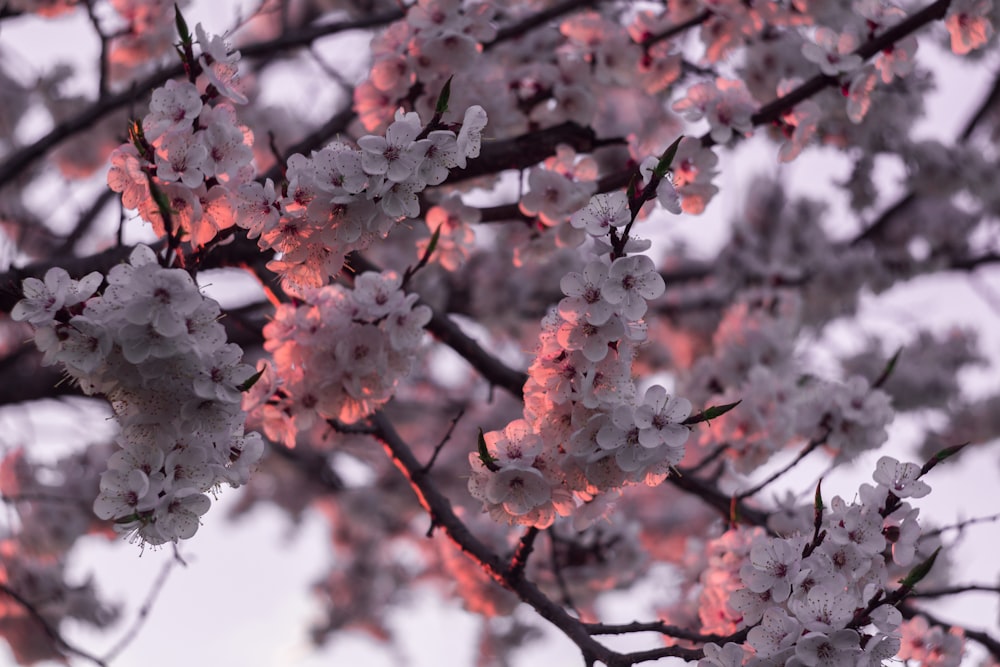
[[152, 344], [817, 596], [434, 39], [340, 354], [193, 150], [452, 221], [725, 103], [341, 199], [782, 403], [557, 190], [692, 172], [585, 431], [194, 159]]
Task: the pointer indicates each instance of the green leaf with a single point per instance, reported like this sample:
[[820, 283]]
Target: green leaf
[[710, 413], [484, 454], [182, 27], [161, 199], [432, 245], [663, 166], [818, 499], [443, 97], [251, 381], [919, 571], [945, 453], [887, 371], [136, 136]]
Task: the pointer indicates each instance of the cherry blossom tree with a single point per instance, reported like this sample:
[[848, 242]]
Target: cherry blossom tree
[[435, 291]]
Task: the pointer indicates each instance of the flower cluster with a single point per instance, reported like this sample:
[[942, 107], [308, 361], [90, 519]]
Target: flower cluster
[[189, 173], [340, 198], [152, 344], [585, 431], [340, 354], [725, 103], [818, 595], [754, 362], [435, 38], [183, 168]]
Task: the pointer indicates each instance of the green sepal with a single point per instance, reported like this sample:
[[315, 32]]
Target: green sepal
[[484, 454], [432, 244], [663, 166], [161, 199], [251, 381], [945, 453], [182, 27], [919, 571], [137, 136], [710, 413], [890, 366], [442, 102]]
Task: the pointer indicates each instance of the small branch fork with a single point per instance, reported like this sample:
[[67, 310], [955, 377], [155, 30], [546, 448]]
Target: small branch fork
[[142, 615], [509, 575], [51, 631]]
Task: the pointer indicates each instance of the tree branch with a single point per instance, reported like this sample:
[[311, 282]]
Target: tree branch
[[444, 517], [772, 111], [21, 159], [538, 19], [50, 631]]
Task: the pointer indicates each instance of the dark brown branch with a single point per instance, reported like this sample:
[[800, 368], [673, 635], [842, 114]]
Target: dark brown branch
[[722, 503], [8, 13], [50, 631], [448, 332], [955, 590], [444, 517], [872, 231], [315, 140], [673, 30], [102, 61], [84, 224], [773, 111], [990, 101], [529, 149], [444, 440], [23, 158], [524, 548], [498, 373], [307, 35], [538, 19], [810, 447], [663, 628]]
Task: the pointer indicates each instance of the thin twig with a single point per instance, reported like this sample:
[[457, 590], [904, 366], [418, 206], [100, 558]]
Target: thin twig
[[537, 20], [808, 449], [955, 590], [102, 82], [146, 607], [445, 439], [772, 111], [664, 628], [19, 161], [677, 29]]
